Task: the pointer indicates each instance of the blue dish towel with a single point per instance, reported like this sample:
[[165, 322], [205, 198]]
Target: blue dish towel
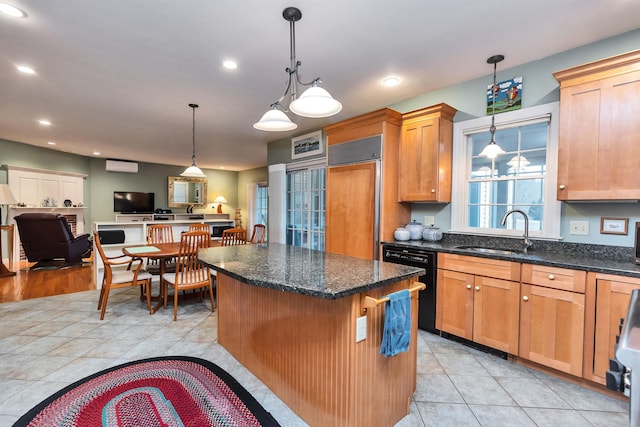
[[397, 324]]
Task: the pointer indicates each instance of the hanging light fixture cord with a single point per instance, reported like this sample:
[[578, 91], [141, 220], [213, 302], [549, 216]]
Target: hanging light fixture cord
[[193, 134], [494, 60], [293, 14]]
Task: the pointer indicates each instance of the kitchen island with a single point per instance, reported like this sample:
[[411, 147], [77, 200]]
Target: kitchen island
[[289, 314]]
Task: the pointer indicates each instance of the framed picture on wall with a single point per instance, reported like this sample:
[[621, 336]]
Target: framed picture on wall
[[306, 145], [614, 225]]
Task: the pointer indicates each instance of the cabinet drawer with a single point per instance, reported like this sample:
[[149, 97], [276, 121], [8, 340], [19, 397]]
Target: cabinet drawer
[[488, 267], [554, 277]]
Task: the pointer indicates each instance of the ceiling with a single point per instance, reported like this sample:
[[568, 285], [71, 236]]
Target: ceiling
[[117, 76]]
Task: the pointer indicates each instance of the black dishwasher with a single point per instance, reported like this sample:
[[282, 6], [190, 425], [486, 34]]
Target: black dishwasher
[[423, 258]]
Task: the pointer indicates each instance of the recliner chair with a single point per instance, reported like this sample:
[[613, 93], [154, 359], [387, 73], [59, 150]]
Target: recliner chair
[[47, 239]]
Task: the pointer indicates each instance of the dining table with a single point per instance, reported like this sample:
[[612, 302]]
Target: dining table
[[158, 251]]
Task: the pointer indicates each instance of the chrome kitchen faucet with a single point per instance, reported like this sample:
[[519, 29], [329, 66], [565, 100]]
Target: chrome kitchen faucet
[[527, 242]]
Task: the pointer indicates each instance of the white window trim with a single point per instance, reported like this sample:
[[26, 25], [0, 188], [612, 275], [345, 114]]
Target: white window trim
[[461, 159]]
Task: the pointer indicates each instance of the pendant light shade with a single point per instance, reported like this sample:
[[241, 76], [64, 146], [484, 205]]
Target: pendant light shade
[[193, 171], [315, 102], [493, 150], [275, 120]]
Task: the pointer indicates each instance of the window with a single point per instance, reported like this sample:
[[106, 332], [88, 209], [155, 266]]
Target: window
[[518, 179], [306, 208]]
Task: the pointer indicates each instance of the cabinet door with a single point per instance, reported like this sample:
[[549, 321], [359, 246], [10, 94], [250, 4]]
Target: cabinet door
[[454, 303], [350, 196], [612, 304], [496, 310], [578, 140], [620, 133], [599, 130], [418, 173], [552, 328]]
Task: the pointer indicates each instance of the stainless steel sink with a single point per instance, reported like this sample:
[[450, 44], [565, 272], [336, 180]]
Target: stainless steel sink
[[494, 251]]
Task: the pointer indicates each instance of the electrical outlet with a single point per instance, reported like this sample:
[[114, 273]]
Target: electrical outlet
[[429, 220], [361, 328], [579, 228]]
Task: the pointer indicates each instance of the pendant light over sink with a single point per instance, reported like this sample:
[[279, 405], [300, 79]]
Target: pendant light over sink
[[314, 102], [492, 150], [193, 171]]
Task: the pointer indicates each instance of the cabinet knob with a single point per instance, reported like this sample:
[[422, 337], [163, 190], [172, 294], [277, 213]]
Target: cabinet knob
[[477, 288], [525, 298], [551, 277], [433, 190], [562, 187], [468, 286]]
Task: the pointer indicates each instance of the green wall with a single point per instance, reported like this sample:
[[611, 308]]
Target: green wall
[[100, 184], [540, 87]]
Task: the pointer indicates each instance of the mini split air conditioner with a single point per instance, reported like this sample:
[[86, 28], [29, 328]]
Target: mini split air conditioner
[[120, 166]]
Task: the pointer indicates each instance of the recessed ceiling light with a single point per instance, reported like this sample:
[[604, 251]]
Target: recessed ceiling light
[[44, 122], [96, 153], [230, 65], [51, 143], [26, 69], [12, 11], [391, 81]]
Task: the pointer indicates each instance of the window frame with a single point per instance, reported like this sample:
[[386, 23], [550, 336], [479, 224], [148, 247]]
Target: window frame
[[461, 167]]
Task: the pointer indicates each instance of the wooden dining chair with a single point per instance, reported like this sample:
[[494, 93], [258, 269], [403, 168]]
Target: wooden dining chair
[[234, 236], [190, 273], [259, 232], [131, 276], [159, 233], [199, 227]]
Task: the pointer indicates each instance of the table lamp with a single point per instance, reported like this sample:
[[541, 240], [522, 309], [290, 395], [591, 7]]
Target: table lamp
[[6, 198], [220, 200]]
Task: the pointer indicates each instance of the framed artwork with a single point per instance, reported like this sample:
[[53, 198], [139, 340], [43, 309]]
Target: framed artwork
[[508, 96], [306, 145], [610, 225]]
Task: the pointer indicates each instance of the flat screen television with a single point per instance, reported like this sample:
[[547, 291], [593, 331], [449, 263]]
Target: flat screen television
[[133, 202]]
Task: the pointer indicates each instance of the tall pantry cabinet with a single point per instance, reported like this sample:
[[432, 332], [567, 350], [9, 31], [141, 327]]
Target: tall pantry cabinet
[[351, 188], [598, 148]]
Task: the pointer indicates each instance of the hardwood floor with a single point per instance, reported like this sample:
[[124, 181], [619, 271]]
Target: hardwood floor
[[42, 283]]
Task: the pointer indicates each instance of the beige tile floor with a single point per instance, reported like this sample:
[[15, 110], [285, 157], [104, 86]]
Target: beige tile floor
[[47, 343]]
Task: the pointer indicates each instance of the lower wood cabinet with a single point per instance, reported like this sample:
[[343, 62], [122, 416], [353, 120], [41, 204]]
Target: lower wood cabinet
[[607, 303], [552, 317], [479, 308]]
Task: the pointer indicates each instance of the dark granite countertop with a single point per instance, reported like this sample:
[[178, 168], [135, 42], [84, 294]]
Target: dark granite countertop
[[303, 271], [595, 258]]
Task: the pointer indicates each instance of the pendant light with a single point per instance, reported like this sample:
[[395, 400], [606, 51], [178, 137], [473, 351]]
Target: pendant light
[[314, 102], [492, 150], [193, 171]]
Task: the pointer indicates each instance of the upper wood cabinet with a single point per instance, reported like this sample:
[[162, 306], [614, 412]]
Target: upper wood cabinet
[[598, 150], [426, 146]]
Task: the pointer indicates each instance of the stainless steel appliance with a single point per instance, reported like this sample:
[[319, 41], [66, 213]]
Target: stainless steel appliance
[[628, 355], [418, 257]]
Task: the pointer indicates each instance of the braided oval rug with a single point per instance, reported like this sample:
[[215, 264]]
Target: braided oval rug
[[162, 391]]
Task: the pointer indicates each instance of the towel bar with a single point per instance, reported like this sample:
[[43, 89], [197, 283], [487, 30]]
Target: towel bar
[[370, 302]]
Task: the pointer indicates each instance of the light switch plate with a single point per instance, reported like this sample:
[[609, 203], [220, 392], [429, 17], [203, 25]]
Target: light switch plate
[[429, 220], [361, 328], [579, 228]]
